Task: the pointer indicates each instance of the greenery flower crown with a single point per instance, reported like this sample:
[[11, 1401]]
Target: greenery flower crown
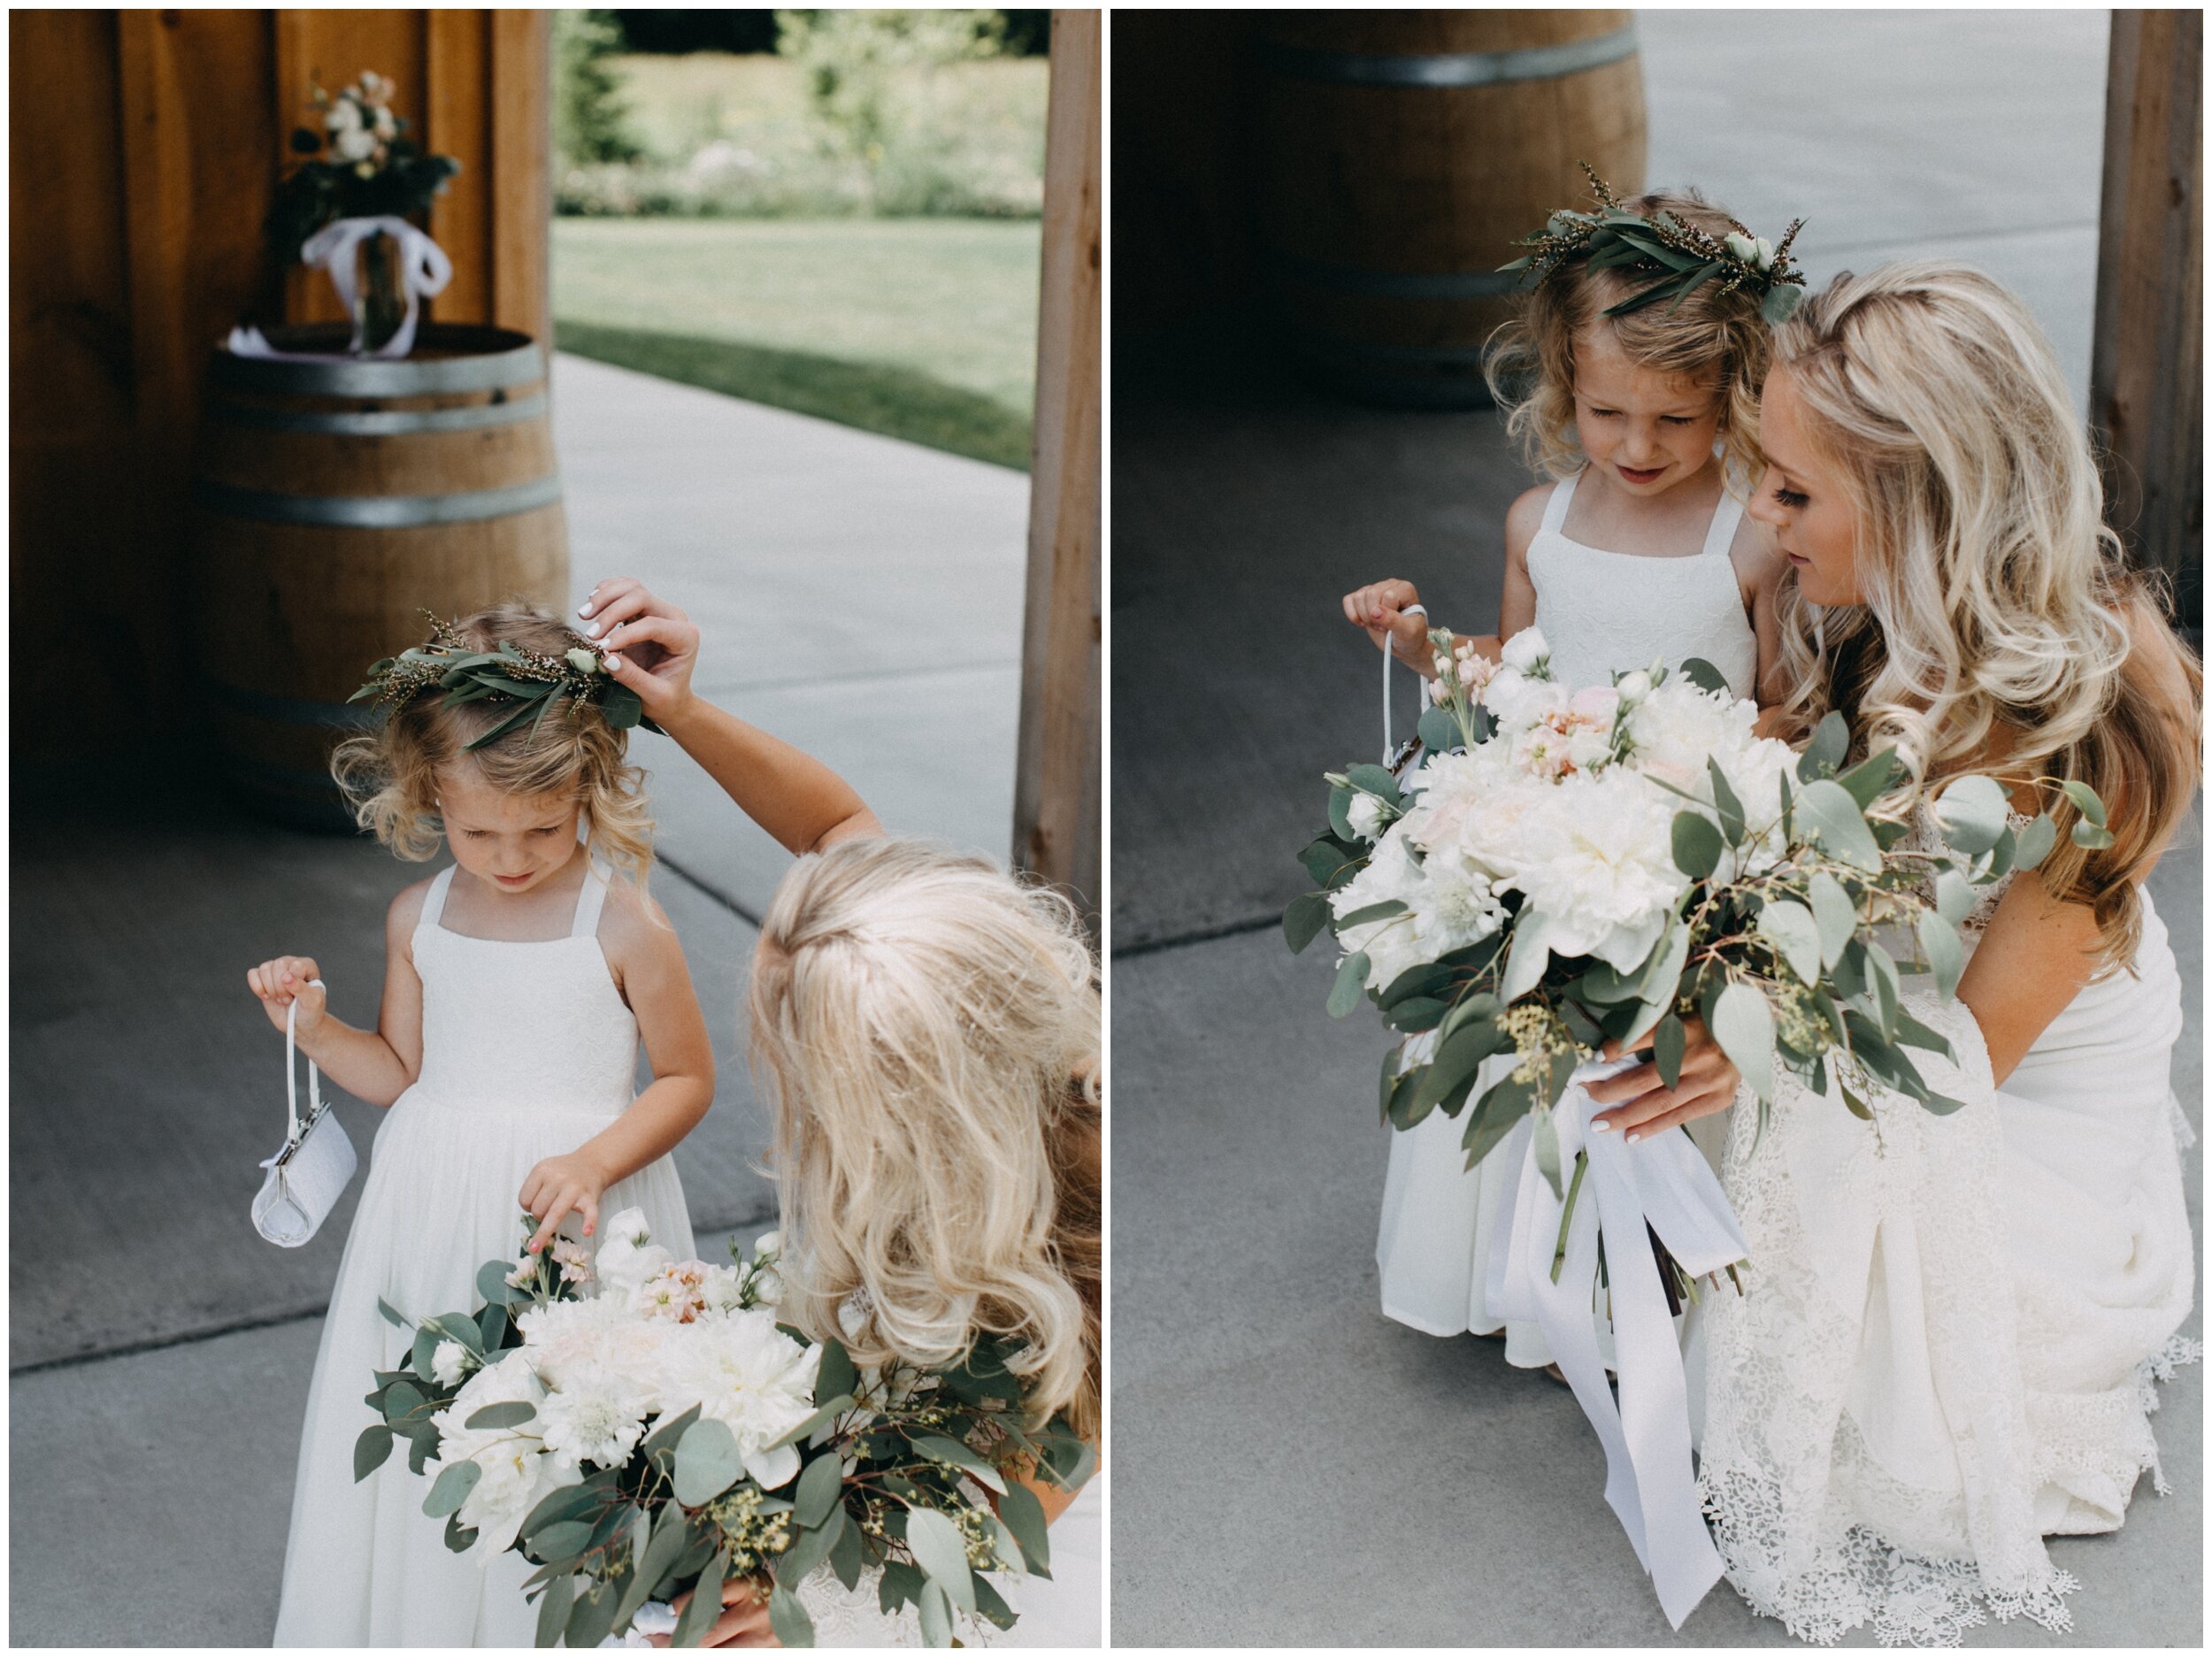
[[1682, 256], [451, 664]]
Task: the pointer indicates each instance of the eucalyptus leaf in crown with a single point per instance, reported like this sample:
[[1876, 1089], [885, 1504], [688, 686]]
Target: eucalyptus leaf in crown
[[1678, 257], [535, 684], [1571, 867]]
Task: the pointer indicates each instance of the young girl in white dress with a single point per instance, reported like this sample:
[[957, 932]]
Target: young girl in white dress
[[1638, 552], [1951, 1325], [517, 986]]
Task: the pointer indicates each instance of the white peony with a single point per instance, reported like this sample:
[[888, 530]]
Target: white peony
[[517, 1474], [744, 1372], [1677, 726], [1600, 872]]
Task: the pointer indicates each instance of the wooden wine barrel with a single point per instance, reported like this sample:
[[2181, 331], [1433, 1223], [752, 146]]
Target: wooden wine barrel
[[335, 499], [1397, 155]]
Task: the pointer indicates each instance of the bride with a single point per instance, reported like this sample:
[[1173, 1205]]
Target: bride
[[928, 1029], [1946, 1347]]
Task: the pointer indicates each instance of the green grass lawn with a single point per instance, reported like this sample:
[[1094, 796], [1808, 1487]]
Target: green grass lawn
[[919, 328]]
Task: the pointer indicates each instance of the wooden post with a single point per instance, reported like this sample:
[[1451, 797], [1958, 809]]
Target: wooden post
[[2147, 375], [1057, 792]]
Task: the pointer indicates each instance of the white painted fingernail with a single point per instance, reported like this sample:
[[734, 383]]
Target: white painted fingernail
[[1633, 1138], [592, 631], [1599, 1125], [584, 609], [613, 660]]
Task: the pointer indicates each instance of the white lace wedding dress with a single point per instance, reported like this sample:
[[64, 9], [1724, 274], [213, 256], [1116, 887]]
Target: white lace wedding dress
[[1600, 612], [1952, 1324]]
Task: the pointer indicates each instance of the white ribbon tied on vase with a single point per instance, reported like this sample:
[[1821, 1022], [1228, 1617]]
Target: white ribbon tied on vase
[[1662, 1181], [424, 272]]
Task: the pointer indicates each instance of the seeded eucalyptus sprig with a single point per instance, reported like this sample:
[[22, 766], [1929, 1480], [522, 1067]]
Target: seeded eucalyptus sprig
[[451, 664], [1680, 256]]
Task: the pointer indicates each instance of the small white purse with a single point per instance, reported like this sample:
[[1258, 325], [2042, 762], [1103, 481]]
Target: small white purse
[[309, 1170]]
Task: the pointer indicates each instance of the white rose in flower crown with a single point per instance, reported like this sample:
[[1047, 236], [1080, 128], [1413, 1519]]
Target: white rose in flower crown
[[1742, 246], [1527, 651]]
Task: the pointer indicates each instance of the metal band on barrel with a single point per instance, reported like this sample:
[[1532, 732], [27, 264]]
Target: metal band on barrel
[[1452, 69], [379, 511], [386, 423]]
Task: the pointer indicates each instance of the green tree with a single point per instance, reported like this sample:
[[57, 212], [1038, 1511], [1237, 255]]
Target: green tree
[[852, 56], [588, 116]]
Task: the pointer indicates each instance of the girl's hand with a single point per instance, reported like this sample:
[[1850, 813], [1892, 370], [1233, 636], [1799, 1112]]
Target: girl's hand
[[280, 982], [1646, 1105], [744, 1624], [1380, 610], [559, 1186], [651, 645]]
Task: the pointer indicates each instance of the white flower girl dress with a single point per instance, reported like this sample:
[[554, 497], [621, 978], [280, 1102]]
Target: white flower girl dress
[[527, 1051]]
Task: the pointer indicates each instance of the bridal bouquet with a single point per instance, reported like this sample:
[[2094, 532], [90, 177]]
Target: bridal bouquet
[[1574, 865], [666, 1433]]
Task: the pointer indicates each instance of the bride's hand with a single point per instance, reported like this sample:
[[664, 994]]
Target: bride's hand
[[744, 1624], [651, 645], [1644, 1105]]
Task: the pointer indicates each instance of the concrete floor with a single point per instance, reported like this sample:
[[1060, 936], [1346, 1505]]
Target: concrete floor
[[1294, 1468], [860, 596]]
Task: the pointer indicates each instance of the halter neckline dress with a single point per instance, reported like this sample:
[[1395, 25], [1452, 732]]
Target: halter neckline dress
[[1600, 612], [528, 1050]]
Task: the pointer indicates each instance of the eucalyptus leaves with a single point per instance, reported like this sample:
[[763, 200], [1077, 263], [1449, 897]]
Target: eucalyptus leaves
[[667, 1434], [535, 684], [1571, 867]]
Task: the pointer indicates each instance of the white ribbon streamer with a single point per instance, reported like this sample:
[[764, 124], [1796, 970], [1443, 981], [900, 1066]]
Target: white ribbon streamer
[[1665, 1182], [424, 272]]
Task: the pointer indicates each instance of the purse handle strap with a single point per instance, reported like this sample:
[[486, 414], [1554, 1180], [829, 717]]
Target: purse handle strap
[[291, 1073], [1390, 749]]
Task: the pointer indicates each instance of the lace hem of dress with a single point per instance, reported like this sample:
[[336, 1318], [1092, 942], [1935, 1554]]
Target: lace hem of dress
[[853, 1618], [1910, 1599]]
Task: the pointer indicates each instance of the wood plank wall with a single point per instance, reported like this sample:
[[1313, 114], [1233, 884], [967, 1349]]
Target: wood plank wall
[[2146, 373], [144, 148], [1058, 790]]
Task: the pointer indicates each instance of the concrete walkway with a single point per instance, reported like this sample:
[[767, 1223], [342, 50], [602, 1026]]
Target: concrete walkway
[[860, 596], [1296, 1469]]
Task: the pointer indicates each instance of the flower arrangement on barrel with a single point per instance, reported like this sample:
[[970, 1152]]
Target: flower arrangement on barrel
[[664, 1434], [348, 207], [1571, 875]]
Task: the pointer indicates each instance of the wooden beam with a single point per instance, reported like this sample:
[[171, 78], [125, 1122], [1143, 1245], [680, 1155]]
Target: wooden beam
[[522, 180], [2147, 374], [1058, 787]]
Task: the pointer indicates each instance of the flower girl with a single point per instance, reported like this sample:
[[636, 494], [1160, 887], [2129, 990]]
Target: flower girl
[[1639, 395], [517, 984]]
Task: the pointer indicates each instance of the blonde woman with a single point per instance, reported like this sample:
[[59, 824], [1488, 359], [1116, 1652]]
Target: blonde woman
[[927, 1030], [1946, 1351]]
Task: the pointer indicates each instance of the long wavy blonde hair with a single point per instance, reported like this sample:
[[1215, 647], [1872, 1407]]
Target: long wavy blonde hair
[[928, 1027], [2000, 627], [389, 775], [1710, 338]]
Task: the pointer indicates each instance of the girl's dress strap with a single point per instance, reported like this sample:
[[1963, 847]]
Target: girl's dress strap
[[434, 904], [1726, 516], [590, 901], [1563, 494]]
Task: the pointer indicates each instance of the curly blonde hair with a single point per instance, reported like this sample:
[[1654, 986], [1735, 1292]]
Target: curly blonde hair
[[928, 1028], [389, 775], [1710, 338], [1999, 623]]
